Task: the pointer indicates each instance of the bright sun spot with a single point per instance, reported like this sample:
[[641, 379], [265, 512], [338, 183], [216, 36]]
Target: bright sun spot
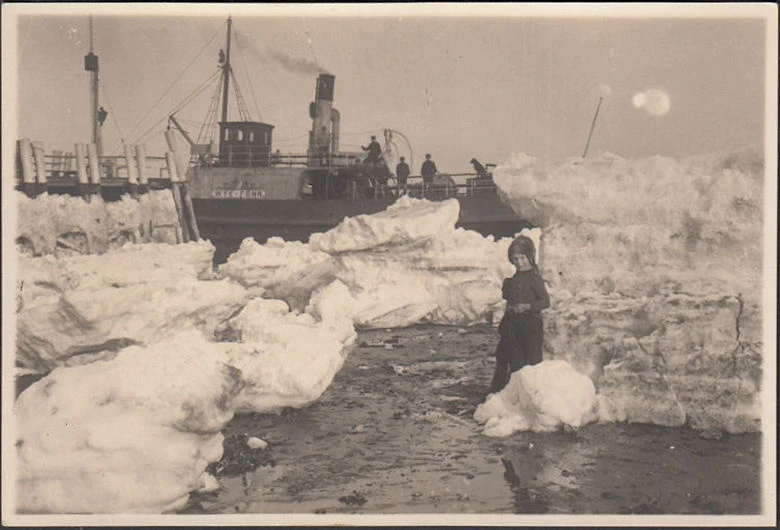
[[654, 101]]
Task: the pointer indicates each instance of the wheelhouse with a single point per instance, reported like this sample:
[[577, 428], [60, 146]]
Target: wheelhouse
[[245, 144]]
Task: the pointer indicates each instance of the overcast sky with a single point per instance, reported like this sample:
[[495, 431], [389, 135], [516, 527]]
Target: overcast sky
[[457, 86]]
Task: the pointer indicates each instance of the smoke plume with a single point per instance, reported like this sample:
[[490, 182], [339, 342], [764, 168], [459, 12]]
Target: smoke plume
[[295, 64], [269, 56]]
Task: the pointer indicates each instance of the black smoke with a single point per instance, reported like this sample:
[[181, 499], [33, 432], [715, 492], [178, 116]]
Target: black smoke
[[270, 56]]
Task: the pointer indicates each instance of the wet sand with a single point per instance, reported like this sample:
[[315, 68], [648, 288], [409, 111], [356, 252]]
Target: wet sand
[[394, 433]]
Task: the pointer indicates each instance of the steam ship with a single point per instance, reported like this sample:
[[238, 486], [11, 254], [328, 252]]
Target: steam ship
[[244, 188], [248, 189]]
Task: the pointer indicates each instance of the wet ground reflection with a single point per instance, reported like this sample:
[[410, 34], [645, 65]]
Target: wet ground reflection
[[394, 434]]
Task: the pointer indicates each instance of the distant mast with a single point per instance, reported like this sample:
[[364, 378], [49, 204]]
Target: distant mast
[[91, 66], [226, 74], [592, 126]]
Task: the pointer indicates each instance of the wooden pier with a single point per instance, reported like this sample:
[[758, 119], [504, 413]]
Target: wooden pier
[[82, 173]]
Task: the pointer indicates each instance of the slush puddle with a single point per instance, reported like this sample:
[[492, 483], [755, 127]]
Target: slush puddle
[[387, 437]]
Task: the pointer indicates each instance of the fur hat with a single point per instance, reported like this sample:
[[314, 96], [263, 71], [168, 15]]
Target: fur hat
[[523, 245]]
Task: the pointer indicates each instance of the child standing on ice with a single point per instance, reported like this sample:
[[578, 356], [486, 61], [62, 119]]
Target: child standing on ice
[[521, 328]]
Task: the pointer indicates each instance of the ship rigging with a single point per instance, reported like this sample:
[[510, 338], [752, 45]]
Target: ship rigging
[[232, 184]]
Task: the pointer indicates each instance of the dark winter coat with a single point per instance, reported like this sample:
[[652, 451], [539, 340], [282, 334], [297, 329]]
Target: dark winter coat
[[526, 288], [374, 150], [428, 169], [402, 171], [522, 334]]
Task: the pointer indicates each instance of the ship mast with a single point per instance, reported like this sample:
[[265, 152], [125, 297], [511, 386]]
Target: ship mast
[[592, 126], [226, 74], [91, 66]]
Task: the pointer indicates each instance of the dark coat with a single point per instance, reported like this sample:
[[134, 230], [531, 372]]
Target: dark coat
[[374, 150], [522, 334], [402, 170], [428, 169]]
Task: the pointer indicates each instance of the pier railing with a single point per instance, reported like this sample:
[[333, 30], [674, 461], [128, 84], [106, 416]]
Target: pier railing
[[84, 173]]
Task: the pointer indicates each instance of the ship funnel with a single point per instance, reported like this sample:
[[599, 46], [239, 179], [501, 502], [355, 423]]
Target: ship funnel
[[323, 137], [325, 86]]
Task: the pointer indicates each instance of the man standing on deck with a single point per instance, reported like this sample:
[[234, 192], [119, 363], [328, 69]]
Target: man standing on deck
[[428, 170], [374, 151], [402, 174], [479, 169]]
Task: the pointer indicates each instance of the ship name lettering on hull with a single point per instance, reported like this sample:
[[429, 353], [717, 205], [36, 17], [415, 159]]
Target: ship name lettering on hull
[[238, 194]]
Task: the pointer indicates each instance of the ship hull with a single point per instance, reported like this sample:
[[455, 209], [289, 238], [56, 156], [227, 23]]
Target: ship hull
[[226, 222]]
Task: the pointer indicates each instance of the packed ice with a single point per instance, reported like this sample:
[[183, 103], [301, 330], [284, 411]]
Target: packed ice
[[540, 398], [288, 359], [63, 225], [155, 349], [645, 226], [653, 266], [75, 308], [126, 435], [403, 266]]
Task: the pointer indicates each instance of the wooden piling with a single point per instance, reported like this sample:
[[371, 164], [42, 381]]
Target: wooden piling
[[143, 178], [132, 171], [81, 166], [28, 168], [171, 163], [94, 168], [40, 167], [176, 191], [181, 161], [190, 225], [190, 212], [81, 171]]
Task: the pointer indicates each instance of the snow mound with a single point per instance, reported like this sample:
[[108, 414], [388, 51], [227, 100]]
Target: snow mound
[[540, 398], [135, 432], [289, 359], [71, 308], [404, 221], [402, 266], [286, 270], [62, 225], [127, 265], [654, 268], [648, 225], [131, 434]]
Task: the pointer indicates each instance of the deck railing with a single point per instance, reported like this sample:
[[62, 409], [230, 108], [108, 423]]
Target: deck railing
[[364, 187], [84, 173], [252, 156]]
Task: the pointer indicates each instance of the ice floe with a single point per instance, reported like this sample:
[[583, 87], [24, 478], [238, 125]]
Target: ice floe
[[653, 266], [130, 434], [540, 398], [402, 266]]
